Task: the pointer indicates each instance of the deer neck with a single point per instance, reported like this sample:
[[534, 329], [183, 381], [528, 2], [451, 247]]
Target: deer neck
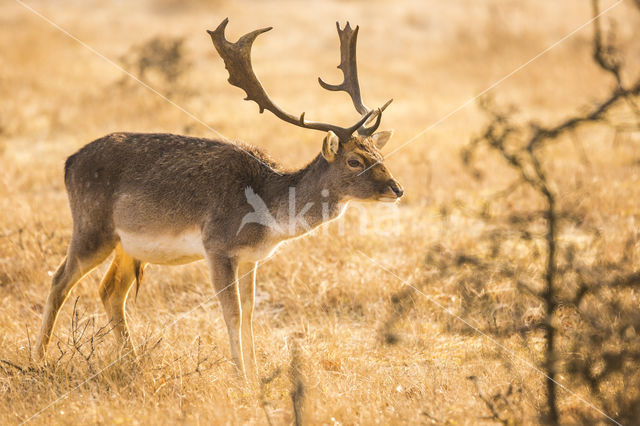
[[304, 199]]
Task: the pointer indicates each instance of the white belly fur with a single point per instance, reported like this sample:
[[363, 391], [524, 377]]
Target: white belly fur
[[167, 249]]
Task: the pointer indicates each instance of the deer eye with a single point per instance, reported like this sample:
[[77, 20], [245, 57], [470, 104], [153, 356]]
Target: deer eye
[[354, 163]]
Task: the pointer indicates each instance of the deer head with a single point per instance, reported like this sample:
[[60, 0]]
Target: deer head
[[353, 153]]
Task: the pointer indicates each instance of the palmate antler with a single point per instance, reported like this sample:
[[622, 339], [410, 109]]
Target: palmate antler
[[350, 84], [237, 60]]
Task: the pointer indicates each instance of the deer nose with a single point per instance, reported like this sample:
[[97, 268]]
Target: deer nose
[[396, 188]]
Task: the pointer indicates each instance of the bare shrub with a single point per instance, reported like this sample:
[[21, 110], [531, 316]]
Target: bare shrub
[[298, 387], [504, 405], [159, 61], [601, 348], [583, 306]]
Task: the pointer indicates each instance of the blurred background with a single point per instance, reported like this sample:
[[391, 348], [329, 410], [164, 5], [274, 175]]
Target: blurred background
[[367, 351]]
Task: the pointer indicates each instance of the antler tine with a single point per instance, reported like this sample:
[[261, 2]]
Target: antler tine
[[368, 131], [237, 60], [348, 66], [350, 85]]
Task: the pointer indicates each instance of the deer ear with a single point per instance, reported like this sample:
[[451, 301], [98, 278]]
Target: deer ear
[[380, 139], [330, 146]]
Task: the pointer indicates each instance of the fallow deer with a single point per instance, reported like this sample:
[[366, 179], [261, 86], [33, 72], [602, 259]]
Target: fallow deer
[[169, 199]]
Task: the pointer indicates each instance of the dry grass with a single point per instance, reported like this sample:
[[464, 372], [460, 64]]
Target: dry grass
[[327, 317]]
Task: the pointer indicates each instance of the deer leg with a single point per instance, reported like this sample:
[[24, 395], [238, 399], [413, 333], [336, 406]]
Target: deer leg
[[247, 281], [113, 291], [83, 255], [225, 281]]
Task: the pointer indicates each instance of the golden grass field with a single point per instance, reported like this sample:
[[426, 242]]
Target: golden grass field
[[326, 299]]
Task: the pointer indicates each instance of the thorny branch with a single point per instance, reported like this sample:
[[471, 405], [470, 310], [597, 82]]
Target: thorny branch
[[519, 146], [499, 402], [77, 338]]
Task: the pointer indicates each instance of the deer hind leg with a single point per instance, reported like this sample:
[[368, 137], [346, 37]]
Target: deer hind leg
[[86, 251], [225, 280], [113, 291], [247, 281]]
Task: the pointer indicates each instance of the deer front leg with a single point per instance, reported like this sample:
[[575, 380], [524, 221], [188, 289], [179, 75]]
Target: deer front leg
[[247, 281], [225, 281]]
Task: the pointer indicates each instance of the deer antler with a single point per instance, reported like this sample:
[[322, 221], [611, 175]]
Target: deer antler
[[237, 60], [348, 40]]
